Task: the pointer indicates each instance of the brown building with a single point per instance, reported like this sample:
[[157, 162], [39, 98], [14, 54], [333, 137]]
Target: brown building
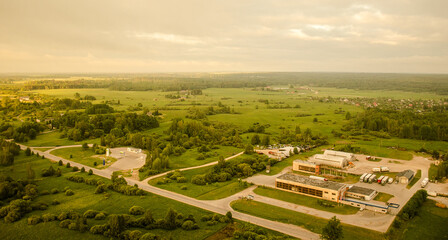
[[327, 190]]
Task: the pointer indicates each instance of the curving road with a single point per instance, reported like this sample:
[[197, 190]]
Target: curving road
[[216, 206]]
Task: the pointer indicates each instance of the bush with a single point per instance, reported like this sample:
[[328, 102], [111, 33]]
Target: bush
[[183, 188], [95, 164], [33, 220], [60, 163], [90, 213], [100, 189], [38, 206], [90, 172], [63, 215], [181, 179], [189, 225], [99, 229], [135, 235], [75, 169], [54, 191], [136, 210], [44, 192], [198, 179], [48, 217], [83, 169], [73, 226], [69, 192], [100, 216], [65, 223], [68, 165], [149, 236]]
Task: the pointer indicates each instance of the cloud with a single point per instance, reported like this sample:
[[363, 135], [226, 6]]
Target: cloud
[[172, 38]]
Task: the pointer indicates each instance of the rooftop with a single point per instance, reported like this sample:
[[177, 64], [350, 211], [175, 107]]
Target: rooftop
[[406, 173], [328, 158], [361, 190], [310, 181], [305, 162]]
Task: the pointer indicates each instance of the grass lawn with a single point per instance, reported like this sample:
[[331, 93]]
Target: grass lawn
[[43, 149], [309, 222], [417, 177], [204, 192], [304, 200], [53, 139], [87, 157], [188, 158], [432, 172], [383, 197], [85, 199], [430, 223]]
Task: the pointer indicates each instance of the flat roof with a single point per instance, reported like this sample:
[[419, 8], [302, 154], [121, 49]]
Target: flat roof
[[331, 158], [310, 181], [361, 190], [305, 162]]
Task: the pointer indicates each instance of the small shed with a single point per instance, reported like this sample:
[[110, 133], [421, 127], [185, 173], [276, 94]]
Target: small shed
[[405, 176]]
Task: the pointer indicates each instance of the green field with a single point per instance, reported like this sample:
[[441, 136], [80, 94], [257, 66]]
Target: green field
[[189, 158], [85, 199], [52, 139], [309, 222], [304, 200], [432, 172], [211, 191], [86, 157], [430, 223], [383, 197]]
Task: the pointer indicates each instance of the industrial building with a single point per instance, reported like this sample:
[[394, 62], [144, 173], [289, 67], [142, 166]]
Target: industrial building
[[361, 193], [312, 187], [405, 176], [305, 166], [333, 158]]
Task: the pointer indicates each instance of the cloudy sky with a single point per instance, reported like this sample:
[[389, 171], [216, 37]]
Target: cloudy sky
[[226, 35]]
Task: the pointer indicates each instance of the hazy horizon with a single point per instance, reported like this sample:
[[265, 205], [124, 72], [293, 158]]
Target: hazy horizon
[[119, 37]]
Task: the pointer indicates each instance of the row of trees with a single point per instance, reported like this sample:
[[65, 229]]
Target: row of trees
[[8, 151]]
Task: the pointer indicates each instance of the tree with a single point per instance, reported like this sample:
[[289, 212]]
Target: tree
[[117, 224], [255, 139], [435, 154], [85, 146], [296, 150], [333, 230], [28, 151], [229, 216], [348, 116], [298, 131], [157, 164], [266, 140], [30, 172], [170, 219], [249, 149]]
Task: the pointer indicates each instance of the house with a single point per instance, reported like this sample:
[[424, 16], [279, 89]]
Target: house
[[361, 193], [405, 176]]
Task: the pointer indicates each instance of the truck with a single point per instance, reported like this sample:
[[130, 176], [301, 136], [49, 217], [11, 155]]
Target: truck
[[384, 169], [380, 178], [372, 178], [366, 178], [424, 182], [384, 180], [361, 179], [390, 181], [376, 169]]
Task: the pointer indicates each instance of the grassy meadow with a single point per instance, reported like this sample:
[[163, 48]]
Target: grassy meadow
[[84, 156]]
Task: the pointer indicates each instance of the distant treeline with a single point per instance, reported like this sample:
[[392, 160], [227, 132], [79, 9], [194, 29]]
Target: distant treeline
[[436, 83]]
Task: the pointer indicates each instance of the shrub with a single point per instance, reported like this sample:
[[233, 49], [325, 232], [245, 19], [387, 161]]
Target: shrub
[[211, 223], [69, 192], [60, 163], [38, 206], [149, 236], [54, 191], [33, 220], [100, 189], [95, 164], [73, 226], [83, 169], [100, 216], [90, 172], [44, 192], [136, 210], [48, 217], [99, 229], [183, 188], [135, 235], [198, 179], [189, 225], [75, 169], [181, 179], [90, 213], [65, 223], [68, 165]]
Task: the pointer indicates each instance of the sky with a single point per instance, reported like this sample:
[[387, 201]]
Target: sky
[[110, 36]]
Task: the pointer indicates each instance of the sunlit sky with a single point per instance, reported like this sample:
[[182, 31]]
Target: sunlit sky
[[226, 35]]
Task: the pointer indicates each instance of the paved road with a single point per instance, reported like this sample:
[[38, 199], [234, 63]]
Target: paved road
[[212, 206]]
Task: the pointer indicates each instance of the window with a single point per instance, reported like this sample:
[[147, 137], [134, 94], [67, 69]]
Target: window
[[326, 192], [333, 194]]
